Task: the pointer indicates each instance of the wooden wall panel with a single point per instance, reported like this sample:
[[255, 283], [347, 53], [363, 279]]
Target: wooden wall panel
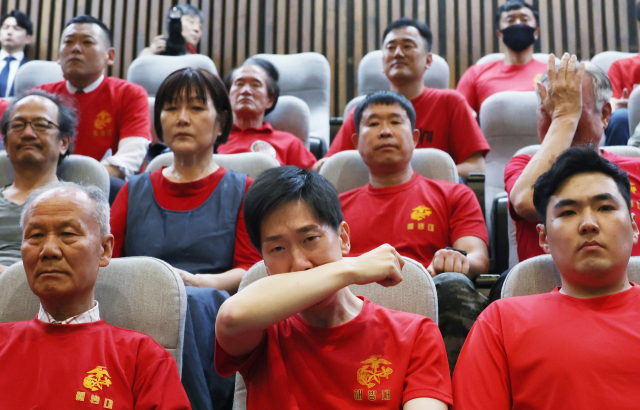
[[342, 30]]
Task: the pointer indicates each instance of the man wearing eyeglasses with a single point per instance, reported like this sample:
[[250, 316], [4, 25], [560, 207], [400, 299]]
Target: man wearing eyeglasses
[[38, 131]]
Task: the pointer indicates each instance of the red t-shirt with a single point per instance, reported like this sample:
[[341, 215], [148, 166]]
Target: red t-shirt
[[418, 218], [444, 121], [379, 360], [115, 110], [85, 366], [4, 104], [526, 234], [283, 146], [624, 73], [185, 196], [552, 351], [480, 82]]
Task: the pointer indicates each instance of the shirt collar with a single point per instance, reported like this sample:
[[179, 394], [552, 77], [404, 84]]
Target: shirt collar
[[91, 315], [87, 89], [265, 128], [18, 55]]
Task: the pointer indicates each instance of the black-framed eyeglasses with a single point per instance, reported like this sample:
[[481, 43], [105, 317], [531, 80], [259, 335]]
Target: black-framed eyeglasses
[[38, 125]]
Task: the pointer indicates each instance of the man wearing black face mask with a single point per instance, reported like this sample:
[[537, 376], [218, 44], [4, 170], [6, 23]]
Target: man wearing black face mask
[[517, 27]]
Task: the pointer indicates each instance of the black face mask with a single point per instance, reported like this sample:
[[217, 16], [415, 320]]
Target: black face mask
[[518, 37]]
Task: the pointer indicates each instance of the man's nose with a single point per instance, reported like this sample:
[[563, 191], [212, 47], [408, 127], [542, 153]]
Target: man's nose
[[300, 261], [183, 115], [50, 248], [398, 51], [589, 224]]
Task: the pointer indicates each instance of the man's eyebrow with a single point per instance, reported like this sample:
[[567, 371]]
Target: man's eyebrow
[[565, 202], [604, 197], [600, 197], [304, 229]]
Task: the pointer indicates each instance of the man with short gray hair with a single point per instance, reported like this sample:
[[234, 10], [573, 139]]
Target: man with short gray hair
[[576, 87], [84, 360], [38, 130]]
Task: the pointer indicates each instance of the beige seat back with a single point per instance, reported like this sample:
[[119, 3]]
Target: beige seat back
[[249, 163]]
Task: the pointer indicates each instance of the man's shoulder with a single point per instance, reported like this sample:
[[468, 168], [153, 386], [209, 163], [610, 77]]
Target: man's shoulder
[[352, 194], [124, 87], [626, 63], [396, 317], [518, 308], [55, 87]]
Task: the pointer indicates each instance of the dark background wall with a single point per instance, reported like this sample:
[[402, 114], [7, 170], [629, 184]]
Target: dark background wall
[[342, 30]]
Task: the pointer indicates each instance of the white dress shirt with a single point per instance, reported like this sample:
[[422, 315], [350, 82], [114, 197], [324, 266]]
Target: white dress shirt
[[13, 67], [131, 150], [91, 315]]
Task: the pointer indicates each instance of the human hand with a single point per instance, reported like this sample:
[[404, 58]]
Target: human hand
[[189, 279], [319, 164], [448, 261], [564, 96], [382, 265], [159, 44], [623, 102]]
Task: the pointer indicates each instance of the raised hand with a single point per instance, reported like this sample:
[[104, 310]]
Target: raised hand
[[563, 97], [382, 265]]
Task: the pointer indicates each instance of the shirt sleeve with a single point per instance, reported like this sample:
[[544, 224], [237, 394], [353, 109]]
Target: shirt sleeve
[[299, 155], [130, 155], [244, 254], [118, 220], [512, 172], [157, 381], [226, 365], [481, 379], [616, 79], [467, 87], [135, 121], [342, 140], [466, 136], [428, 371], [466, 217]]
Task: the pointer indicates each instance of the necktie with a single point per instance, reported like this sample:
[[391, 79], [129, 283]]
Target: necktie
[[4, 76]]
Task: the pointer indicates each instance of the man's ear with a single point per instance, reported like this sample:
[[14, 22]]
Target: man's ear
[[429, 61], [111, 52], [634, 227], [354, 140], [28, 39], [542, 238], [345, 243], [606, 115], [499, 35], [65, 141], [416, 137], [107, 250], [536, 34]]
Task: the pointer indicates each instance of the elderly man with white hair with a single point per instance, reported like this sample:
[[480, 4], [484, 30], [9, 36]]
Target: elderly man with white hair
[[67, 357]]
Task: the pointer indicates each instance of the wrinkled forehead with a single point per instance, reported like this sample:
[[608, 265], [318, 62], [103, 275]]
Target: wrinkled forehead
[[522, 11], [407, 33], [85, 29], [35, 105], [69, 198], [250, 72]]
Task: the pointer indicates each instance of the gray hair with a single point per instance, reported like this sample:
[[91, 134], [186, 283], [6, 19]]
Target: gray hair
[[602, 91], [101, 204]]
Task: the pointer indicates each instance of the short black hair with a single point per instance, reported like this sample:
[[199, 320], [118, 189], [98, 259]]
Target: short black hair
[[187, 10], [273, 89], [67, 116], [515, 5], [87, 19], [574, 161], [22, 19], [204, 83], [423, 29], [384, 98], [278, 186]]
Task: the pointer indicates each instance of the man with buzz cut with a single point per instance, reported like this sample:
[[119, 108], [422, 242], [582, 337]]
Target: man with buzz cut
[[113, 113], [67, 357], [299, 337], [443, 117], [577, 347], [516, 25], [437, 223]]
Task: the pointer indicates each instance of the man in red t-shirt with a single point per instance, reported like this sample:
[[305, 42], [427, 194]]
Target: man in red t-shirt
[[253, 92], [299, 337], [517, 28], [443, 118], [574, 115], [422, 218], [577, 347], [113, 113], [86, 362]]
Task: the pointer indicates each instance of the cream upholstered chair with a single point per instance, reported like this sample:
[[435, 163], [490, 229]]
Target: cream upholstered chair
[[37, 72], [634, 110], [415, 294], [292, 115], [249, 163], [74, 168], [150, 71], [540, 275], [542, 57], [346, 170], [137, 293]]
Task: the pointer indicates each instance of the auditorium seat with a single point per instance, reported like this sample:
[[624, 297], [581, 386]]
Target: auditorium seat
[[606, 58], [372, 79], [74, 168], [415, 294], [540, 275], [346, 170], [634, 110], [37, 72], [137, 293], [308, 77], [543, 57], [150, 71], [509, 122], [249, 163], [292, 115]]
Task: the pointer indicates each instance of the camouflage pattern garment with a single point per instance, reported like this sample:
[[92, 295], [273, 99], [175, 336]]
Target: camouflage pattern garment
[[459, 305]]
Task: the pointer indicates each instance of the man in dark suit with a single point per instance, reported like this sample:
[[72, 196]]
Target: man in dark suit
[[16, 32]]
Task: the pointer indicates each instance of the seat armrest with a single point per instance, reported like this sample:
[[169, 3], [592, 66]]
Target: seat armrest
[[317, 147], [500, 227], [475, 181], [334, 126]]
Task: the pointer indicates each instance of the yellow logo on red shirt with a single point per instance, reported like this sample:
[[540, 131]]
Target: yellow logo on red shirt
[[373, 371], [420, 213], [97, 378], [536, 79], [633, 188]]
